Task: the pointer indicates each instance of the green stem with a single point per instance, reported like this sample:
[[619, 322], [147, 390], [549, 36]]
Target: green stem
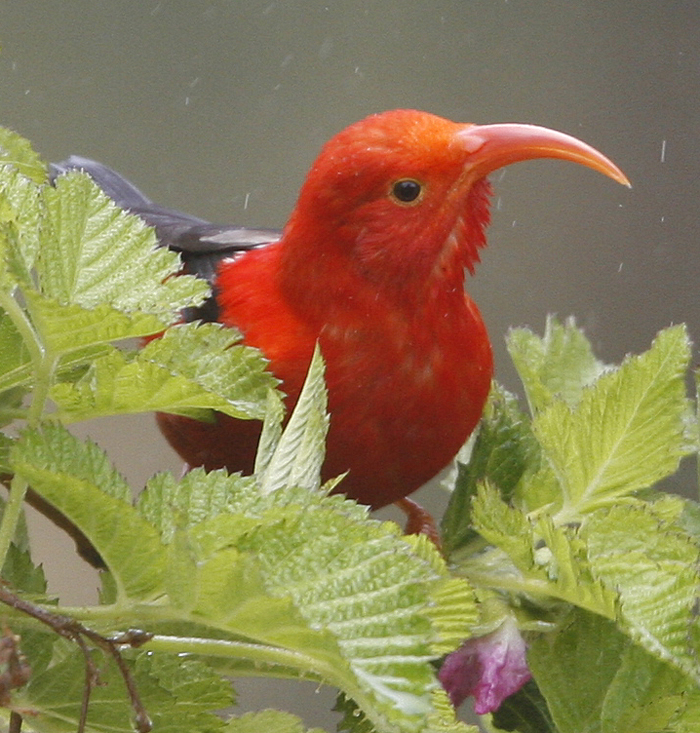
[[309, 667], [22, 323], [235, 649], [43, 362]]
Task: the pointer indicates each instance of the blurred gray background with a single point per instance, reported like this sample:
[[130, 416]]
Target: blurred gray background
[[218, 108]]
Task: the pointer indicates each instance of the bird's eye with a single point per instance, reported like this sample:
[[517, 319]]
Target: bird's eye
[[406, 191]]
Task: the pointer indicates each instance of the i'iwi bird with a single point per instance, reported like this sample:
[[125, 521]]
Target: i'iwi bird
[[371, 265]]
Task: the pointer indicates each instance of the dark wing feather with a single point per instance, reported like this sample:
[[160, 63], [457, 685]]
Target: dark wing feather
[[201, 244]]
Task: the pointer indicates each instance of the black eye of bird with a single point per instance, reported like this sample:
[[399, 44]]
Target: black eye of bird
[[406, 190]]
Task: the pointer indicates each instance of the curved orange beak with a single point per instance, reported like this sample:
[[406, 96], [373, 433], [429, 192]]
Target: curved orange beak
[[492, 146]]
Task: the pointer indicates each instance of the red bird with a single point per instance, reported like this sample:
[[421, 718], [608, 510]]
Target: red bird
[[371, 265]]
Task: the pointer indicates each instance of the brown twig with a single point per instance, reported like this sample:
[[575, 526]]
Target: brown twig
[[76, 632]]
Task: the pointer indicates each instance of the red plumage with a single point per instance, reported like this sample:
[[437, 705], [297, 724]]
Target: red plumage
[[372, 266]]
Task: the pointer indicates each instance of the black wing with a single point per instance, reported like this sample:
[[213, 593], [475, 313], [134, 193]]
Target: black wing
[[201, 244]]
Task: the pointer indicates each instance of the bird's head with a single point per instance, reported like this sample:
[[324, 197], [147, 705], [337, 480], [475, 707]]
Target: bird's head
[[401, 197]]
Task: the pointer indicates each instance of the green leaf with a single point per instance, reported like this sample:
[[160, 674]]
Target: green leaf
[[15, 362], [196, 690], [350, 600], [6, 443], [79, 481], [21, 214], [11, 401], [210, 355], [558, 366], [270, 435], [172, 505], [178, 694], [504, 527], [574, 669], [192, 368], [442, 720], [551, 560], [525, 711], [18, 153], [687, 719], [653, 566], [503, 451], [93, 253], [270, 721], [21, 574], [299, 453], [69, 328], [645, 695], [353, 720], [628, 431], [596, 680]]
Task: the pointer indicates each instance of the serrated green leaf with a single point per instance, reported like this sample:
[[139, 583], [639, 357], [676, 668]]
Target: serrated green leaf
[[442, 720], [178, 694], [644, 696], [71, 327], [53, 448], [299, 453], [93, 253], [551, 560], [574, 669], [324, 565], [15, 362], [21, 574], [539, 490], [653, 567], [560, 365], [196, 690], [564, 557], [17, 152], [504, 527], [212, 357], [270, 435], [353, 720], [630, 691], [628, 431], [453, 612], [270, 721], [21, 213], [78, 480], [191, 369], [503, 451], [169, 504], [358, 605]]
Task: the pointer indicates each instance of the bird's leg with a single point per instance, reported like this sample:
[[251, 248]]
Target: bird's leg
[[419, 521]]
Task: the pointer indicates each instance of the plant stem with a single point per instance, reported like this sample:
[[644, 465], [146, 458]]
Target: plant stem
[[43, 363]]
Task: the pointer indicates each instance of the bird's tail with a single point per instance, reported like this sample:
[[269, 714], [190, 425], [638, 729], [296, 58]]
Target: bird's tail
[[127, 196]]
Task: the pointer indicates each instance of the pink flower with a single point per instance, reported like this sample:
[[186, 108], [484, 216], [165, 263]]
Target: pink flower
[[489, 668]]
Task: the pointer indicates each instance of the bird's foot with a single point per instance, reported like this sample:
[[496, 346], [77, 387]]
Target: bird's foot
[[419, 521]]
